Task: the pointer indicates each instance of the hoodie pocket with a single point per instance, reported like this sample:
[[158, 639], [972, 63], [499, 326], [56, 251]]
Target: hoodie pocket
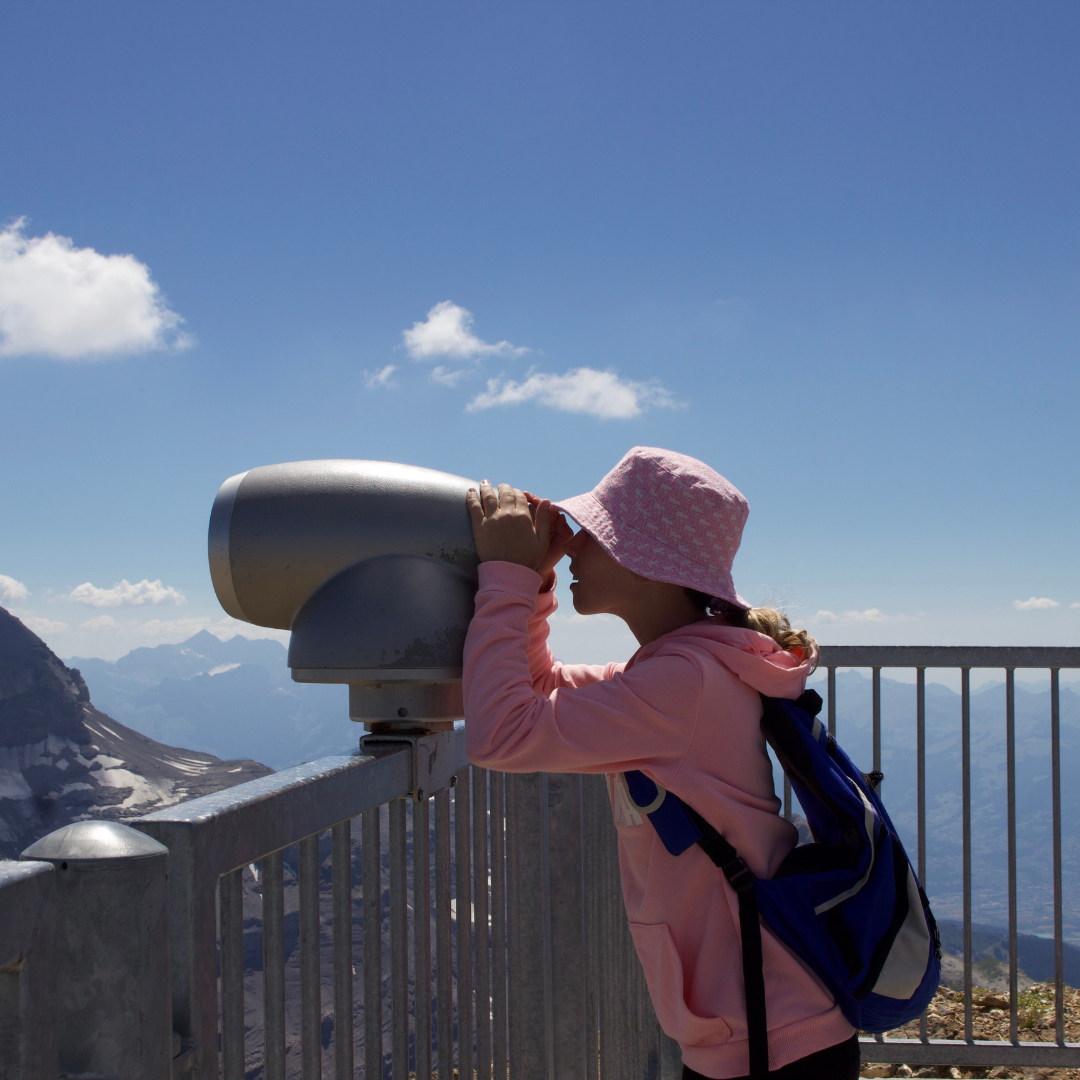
[[664, 976]]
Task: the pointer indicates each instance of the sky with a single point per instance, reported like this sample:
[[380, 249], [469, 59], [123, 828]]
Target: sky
[[831, 249]]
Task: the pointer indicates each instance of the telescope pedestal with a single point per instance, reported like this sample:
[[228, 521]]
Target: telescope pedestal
[[433, 704]]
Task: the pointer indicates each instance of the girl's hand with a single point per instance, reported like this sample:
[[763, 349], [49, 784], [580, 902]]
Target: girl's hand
[[560, 534], [504, 527]]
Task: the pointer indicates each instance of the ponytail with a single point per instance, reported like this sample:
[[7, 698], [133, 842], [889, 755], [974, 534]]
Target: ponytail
[[763, 620]]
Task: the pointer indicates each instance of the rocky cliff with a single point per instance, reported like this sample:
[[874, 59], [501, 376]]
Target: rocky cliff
[[62, 760]]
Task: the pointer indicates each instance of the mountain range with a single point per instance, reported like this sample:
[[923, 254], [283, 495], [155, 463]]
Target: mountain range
[[231, 698], [944, 810], [90, 740], [62, 759], [235, 699]]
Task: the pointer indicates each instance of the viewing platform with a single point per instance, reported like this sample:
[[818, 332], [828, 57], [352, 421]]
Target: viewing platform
[[285, 940]]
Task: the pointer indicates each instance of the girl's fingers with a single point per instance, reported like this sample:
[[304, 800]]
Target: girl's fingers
[[543, 523], [472, 504], [504, 497]]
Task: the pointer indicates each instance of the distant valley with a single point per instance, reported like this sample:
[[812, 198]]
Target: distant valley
[[944, 811], [231, 698]]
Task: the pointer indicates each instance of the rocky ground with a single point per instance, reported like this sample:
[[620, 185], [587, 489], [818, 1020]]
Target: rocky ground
[[990, 1020]]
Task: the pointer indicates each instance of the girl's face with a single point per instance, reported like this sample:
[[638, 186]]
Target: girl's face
[[601, 585]]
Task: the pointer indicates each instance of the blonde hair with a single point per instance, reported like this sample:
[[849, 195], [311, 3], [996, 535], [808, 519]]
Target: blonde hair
[[764, 620]]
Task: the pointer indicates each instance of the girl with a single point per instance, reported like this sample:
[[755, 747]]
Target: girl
[[657, 540]]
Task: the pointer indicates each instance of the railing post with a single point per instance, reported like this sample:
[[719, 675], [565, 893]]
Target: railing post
[[192, 943], [565, 903], [371, 861], [27, 971], [546, 927], [965, 784], [215, 834], [525, 928], [631, 1044], [1055, 795], [114, 1014]]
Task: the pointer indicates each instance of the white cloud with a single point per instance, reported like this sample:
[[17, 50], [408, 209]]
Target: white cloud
[[447, 331], [582, 390], [382, 377], [448, 376], [43, 626], [100, 622], [1036, 603], [1077, 605], [124, 594], [12, 590], [73, 303], [870, 615]]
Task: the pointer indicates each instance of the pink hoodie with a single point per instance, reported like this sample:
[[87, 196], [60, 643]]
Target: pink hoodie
[[685, 711]]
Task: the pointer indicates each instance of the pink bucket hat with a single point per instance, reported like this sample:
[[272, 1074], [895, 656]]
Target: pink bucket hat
[[668, 517]]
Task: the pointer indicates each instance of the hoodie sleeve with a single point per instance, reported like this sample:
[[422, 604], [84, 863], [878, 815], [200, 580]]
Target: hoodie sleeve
[[590, 720], [546, 672]]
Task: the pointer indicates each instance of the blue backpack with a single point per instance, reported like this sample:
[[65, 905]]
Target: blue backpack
[[848, 904]]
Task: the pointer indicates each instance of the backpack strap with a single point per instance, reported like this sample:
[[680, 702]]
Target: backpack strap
[[741, 878], [679, 827]]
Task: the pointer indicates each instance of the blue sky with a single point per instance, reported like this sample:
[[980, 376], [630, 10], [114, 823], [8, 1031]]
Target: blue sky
[[830, 248]]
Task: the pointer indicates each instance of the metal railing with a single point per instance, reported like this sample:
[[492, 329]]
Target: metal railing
[[970, 1051], [493, 936], [211, 840], [532, 963]]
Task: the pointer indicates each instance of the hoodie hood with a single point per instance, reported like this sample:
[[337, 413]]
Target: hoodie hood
[[755, 658]]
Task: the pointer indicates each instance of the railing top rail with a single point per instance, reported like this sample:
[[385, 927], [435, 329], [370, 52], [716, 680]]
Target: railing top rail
[[950, 656], [239, 825], [13, 872], [981, 1052]]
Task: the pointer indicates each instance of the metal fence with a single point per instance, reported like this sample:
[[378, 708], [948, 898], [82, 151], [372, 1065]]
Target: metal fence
[[529, 967], [213, 839], [519, 962], [970, 1051]]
